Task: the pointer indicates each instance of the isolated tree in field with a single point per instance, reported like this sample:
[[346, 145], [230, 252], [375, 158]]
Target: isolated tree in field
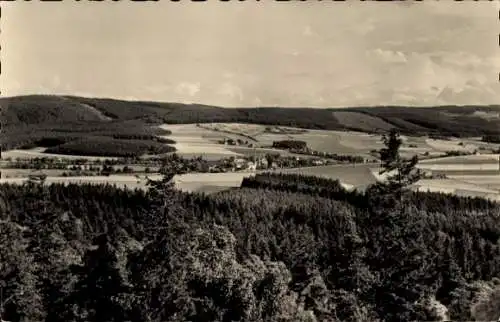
[[401, 172]]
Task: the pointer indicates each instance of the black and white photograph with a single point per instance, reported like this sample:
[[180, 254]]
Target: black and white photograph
[[250, 161]]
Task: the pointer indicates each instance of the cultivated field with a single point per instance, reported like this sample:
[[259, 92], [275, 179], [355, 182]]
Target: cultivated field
[[128, 181], [24, 173], [39, 153], [191, 182], [465, 159], [357, 176], [193, 141], [458, 187], [339, 142], [451, 145]]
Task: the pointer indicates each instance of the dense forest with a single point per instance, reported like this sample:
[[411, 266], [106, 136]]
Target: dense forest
[[281, 247], [73, 137], [279, 251], [290, 145], [110, 147]]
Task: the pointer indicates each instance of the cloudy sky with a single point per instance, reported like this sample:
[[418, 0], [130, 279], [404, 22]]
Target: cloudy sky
[[312, 54]]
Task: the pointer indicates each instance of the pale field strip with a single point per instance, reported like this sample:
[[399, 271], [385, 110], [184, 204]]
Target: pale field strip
[[459, 167], [451, 145], [464, 159], [38, 153], [452, 185], [487, 181]]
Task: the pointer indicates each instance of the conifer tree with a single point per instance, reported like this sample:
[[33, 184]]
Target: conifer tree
[[401, 172]]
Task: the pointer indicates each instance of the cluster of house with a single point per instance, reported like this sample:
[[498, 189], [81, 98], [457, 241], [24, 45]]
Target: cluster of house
[[252, 164], [239, 164]]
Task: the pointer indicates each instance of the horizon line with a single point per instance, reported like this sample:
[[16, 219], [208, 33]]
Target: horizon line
[[244, 107]]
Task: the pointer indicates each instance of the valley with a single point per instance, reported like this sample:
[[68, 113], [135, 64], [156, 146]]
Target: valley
[[474, 173]]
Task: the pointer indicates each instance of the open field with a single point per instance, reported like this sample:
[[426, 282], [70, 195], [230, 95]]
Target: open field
[[457, 187], [192, 182], [24, 173], [459, 167], [465, 159], [208, 182], [451, 145], [474, 180], [339, 142], [192, 141], [128, 181], [39, 153], [486, 181], [358, 176]]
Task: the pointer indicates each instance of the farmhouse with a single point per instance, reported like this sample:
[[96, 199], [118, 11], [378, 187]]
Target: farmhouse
[[318, 162], [240, 163], [251, 166]]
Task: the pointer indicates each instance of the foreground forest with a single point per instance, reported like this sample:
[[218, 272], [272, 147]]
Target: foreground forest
[[281, 248]]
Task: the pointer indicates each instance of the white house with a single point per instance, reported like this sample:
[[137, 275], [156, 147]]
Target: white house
[[251, 166]]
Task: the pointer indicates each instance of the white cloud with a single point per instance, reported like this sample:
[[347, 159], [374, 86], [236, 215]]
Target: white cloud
[[230, 91], [389, 56], [308, 31], [187, 88]]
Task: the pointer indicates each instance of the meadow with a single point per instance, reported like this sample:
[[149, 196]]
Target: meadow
[[40, 153]]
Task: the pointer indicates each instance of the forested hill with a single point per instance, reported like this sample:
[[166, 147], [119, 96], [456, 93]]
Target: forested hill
[[40, 110], [281, 248]]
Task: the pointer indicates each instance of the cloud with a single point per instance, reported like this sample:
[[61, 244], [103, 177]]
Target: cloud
[[308, 31], [187, 88], [231, 91], [389, 56], [158, 88]]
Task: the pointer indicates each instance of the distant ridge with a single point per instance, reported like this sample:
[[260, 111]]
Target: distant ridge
[[29, 113]]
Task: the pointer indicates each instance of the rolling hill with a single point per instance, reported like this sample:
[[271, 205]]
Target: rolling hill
[[30, 118]]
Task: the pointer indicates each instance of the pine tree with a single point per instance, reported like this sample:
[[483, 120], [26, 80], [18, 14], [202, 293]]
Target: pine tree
[[101, 287], [402, 172]]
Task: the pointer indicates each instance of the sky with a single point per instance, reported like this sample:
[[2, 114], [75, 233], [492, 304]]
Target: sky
[[246, 54]]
